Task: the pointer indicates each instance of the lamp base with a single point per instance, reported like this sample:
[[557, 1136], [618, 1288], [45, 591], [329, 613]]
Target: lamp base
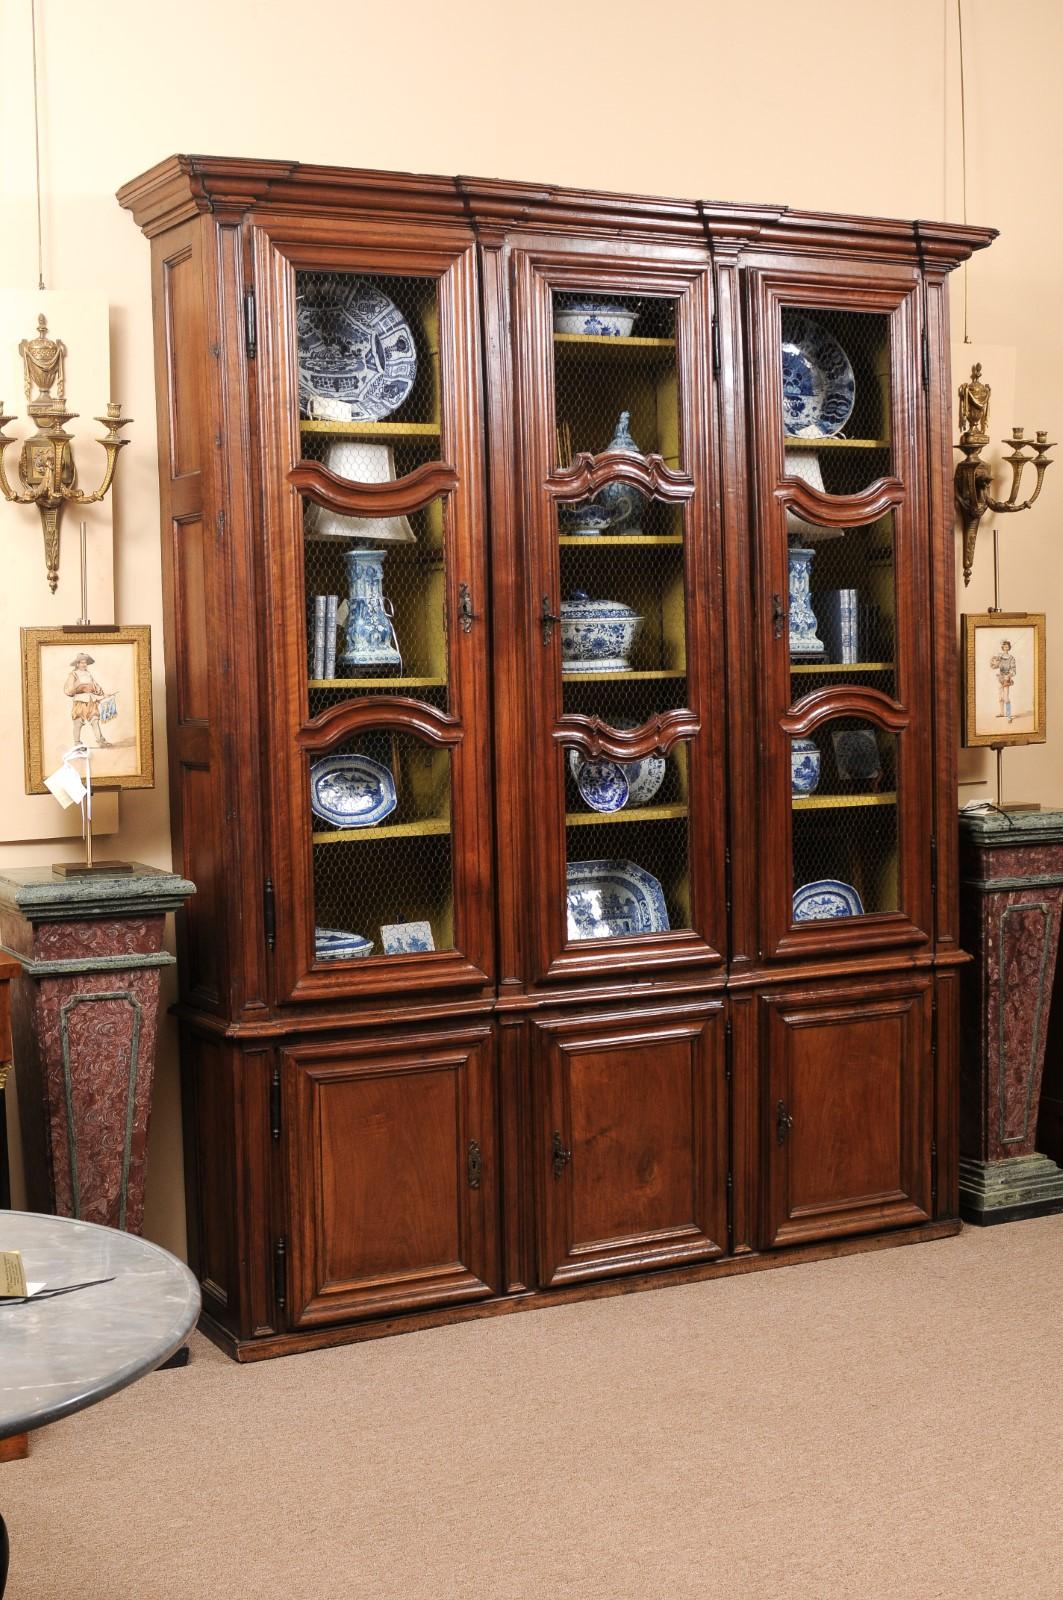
[[99, 869]]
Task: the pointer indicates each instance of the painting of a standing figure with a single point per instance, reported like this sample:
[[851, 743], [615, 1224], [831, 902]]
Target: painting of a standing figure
[[90, 688], [1004, 678]]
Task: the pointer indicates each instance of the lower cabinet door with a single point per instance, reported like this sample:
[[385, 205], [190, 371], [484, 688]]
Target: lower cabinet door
[[392, 1175], [632, 1141], [848, 1113]]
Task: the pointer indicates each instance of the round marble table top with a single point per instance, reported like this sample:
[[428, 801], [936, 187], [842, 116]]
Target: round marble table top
[[74, 1349]]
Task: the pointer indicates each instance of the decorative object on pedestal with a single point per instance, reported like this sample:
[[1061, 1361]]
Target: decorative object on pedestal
[[1011, 902], [974, 477], [804, 639], [85, 1009], [47, 474]]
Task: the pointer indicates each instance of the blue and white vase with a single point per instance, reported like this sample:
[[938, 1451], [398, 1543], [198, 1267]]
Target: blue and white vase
[[370, 634], [804, 640], [622, 500], [805, 762]]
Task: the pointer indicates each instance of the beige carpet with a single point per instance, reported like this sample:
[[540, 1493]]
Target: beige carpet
[[884, 1427]]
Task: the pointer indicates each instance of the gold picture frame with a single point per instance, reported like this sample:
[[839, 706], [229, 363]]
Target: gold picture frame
[[104, 698], [1003, 678]]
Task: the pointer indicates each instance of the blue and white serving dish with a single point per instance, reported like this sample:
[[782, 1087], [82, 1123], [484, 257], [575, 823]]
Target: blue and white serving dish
[[602, 783], [586, 520], [406, 938], [805, 762], [825, 899], [336, 944], [596, 635], [355, 348], [613, 900], [818, 386], [594, 315], [351, 791]]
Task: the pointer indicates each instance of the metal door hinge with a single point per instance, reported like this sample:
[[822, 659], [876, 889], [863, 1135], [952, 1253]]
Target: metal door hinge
[[560, 1157], [730, 1208], [727, 883], [275, 1105], [933, 1175], [269, 913], [475, 1164], [715, 344], [728, 1037], [547, 618], [250, 324], [466, 614], [926, 360], [933, 865], [783, 1122], [280, 1272], [778, 615]]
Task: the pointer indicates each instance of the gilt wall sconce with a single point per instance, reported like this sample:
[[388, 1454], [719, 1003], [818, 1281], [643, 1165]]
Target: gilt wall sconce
[[974, 477], [46, 470]]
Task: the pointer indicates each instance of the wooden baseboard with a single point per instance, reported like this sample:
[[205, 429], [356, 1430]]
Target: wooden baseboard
[[16, 1448], [283, 1344]]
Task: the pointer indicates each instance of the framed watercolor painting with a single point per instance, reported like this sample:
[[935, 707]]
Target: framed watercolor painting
[[88, 686], [1004, 678]]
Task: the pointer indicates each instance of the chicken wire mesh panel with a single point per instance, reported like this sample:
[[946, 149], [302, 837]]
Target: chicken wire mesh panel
[[368, 350], [615, 375], [853, 597], [845, 826], [623, 606], [382, 846], [627, 843], [836, 397], [375, 604]]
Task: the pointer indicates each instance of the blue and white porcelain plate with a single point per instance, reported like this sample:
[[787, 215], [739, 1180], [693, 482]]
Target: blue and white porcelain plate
[[337, 944], [406, 938], [356, 347], [351, 791], [824, 899], [602, 784], [613, 900], [818, 386]]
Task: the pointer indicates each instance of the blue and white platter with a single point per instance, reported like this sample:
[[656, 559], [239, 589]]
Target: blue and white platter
[[351, 791], [355, 347], [613, 900], [818, 386], [825, 899], [336, 944]]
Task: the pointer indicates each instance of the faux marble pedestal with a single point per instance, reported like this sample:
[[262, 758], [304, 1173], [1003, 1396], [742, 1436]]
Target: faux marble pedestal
[[1011, 899], [84, 1015]]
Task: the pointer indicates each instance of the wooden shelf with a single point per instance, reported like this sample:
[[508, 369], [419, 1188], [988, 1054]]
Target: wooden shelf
[[597, 540], [790, 443], [627, 341], [619, 677], [374, 430], [426, 827], [836, 802], [841, 666], [377, 683], [590, 819]]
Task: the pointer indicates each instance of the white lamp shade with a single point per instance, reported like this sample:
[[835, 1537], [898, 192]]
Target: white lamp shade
[[359, 462]]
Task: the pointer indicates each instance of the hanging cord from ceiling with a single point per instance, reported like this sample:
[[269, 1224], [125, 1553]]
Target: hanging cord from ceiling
[[963, 156], [37, 146]]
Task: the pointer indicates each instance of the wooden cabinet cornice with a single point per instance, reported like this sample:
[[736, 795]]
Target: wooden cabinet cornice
[[561, 737]]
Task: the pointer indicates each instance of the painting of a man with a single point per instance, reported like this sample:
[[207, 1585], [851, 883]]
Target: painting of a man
[[87, 696], [1005, 666]]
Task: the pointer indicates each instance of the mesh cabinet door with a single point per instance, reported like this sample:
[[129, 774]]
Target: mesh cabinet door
[[843, 611], [625, 650], [372, 454]]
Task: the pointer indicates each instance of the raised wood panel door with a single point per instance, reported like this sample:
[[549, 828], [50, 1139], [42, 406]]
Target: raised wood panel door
[[392, 1175], [622, 628], [632, 1142], [843, 607], [371, 445], [848, 1109]]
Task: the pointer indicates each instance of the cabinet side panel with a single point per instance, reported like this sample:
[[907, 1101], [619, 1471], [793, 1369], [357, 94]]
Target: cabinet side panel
[[210, 1167]]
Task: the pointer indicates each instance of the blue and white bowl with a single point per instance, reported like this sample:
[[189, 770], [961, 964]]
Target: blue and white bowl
[[603, 317], [602, 783], [805, 760], [336, 944], [597, 635]]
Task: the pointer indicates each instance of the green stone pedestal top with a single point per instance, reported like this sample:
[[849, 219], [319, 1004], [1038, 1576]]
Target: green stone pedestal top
[[41, 895]]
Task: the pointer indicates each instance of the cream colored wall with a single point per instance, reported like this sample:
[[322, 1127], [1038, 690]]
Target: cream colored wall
[[845, 105]]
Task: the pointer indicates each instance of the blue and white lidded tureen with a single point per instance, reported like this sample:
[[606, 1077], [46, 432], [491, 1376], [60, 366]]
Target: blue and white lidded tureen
[[804, 766], [596, 635]]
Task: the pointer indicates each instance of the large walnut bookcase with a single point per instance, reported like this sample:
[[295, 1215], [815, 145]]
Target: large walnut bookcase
[[518, 1117]]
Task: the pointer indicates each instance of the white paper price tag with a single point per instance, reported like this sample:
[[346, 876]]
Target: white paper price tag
[[66, 785]]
